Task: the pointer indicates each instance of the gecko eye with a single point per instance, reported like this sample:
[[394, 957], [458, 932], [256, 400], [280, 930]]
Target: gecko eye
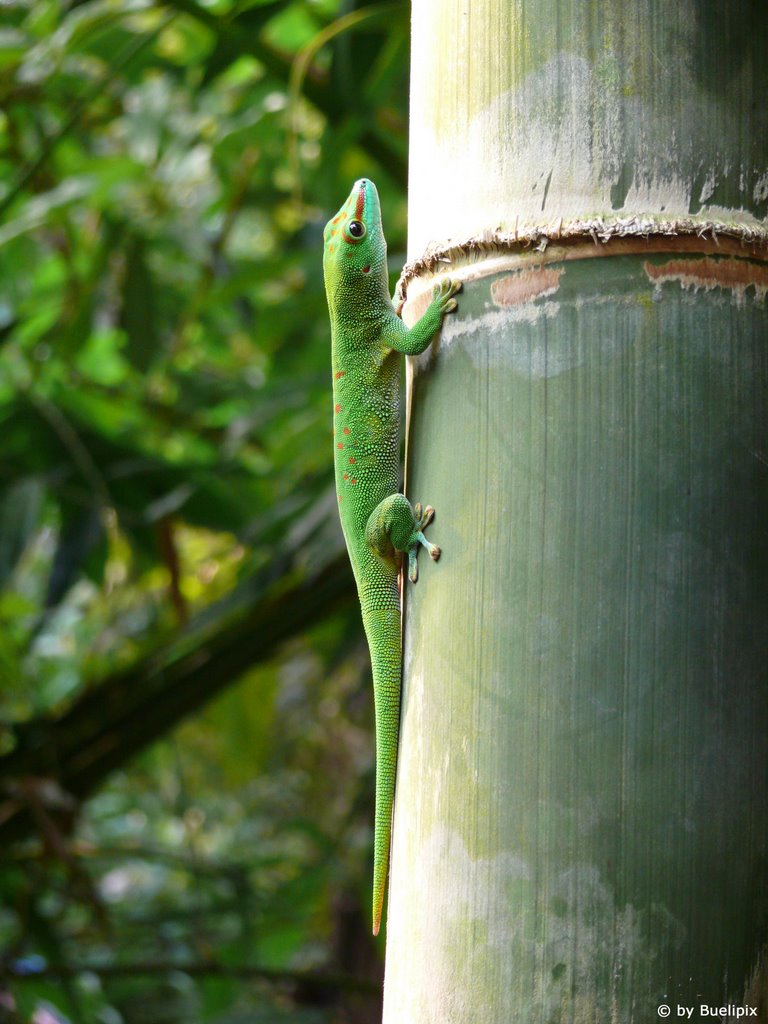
[[356, 229]]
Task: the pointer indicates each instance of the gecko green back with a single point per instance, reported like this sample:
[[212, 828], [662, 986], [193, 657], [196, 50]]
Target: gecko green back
[[378, 522]]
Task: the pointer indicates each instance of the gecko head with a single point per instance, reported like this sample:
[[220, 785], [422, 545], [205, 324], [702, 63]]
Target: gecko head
[[353, 241]]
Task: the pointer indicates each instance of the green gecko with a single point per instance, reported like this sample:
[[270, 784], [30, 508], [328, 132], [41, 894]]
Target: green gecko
[[379, 523]]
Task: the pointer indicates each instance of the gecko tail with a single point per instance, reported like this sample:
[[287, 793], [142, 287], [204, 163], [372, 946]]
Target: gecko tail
[[385, 793], [383, 630]]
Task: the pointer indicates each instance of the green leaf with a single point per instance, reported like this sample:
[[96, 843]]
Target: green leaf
[[13, 46], [248, 23], [81, 532], [100, 358], [20, 510], [138, 310], [38, 210]]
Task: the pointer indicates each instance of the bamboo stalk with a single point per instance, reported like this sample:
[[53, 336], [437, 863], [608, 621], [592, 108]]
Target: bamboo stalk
[[582, 809]]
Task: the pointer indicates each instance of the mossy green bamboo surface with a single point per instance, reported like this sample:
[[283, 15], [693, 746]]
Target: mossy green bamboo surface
[[582, 805]]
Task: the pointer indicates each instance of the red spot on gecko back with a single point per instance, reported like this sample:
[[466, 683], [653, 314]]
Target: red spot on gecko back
[[337, 408], [353, 481], [351, 460], [339, 374], [340, 445], [346, 476], [346, 430]]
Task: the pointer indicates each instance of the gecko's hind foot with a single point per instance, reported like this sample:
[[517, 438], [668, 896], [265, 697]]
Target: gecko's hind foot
[[425, 518], [422, 517], [419, 539]]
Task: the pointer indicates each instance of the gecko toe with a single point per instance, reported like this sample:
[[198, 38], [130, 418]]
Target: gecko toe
[[426, 517]]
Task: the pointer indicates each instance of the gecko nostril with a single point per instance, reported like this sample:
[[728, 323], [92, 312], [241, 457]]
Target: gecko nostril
[[366, 270]]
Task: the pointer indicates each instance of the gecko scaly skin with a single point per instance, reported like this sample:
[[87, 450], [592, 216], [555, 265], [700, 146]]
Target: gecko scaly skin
[[380, 525]]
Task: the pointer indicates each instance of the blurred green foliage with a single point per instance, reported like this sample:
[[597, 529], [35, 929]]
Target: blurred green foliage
[[167, 524]]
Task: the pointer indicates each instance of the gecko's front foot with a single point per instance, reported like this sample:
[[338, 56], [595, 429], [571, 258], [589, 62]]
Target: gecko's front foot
[[443, 292]]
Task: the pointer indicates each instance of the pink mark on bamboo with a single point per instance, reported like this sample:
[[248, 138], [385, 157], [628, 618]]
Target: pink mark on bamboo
[[710, 272], [526, 285]]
